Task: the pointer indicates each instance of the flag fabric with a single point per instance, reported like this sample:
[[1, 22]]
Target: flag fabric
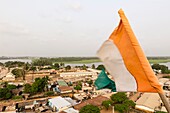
[[124, 59], [103, 81]]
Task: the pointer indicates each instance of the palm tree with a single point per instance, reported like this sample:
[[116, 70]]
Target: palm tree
[[33, 69], [25, 70]]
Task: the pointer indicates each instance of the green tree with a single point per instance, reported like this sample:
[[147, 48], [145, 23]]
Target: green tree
[[10, 87], [121, 108], [84, 67], [33, 69], [42, 61], [118, 97], [89, 109], [8, 95], [79, 83], [14, 64], [156, 66], [39, 85], [68, 67], [18, 72], [77, 87], [62, 64], [57, 66], [163, 68], [27, 66], [107, 104], [25, 69], [5, 93], [122, 104], [100, 67], [93, 66], [27, 88], [129, 103], [90, 82]]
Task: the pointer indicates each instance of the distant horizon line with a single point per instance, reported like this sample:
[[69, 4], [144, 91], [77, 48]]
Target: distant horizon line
[[63, 56]]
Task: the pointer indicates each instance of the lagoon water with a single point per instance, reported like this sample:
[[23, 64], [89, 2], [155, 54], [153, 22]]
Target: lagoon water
[[22, 60], [88, 64]]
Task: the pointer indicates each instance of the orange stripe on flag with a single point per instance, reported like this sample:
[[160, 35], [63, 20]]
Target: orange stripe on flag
[[134, 58]]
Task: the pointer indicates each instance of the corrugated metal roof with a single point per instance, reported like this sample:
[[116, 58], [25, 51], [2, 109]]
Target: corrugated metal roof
[[59, 102], [150, 100]]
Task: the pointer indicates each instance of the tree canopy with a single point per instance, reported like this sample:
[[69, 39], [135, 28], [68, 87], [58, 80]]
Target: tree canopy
[[68, 67], [27, 88], [56, 66], [89, 109], [100, 67], [14, 64], [163, 68], [6, 92], [107, 103], [121, 102], [93, 66], [77, 87], [118, 97], [37, 86], [18, 72]]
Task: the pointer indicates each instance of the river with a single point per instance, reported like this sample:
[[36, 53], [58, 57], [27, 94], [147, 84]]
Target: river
[[22, 60], [88, 64], [167, 64]]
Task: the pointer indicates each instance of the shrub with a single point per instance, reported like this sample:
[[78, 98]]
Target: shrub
[[17, 97], [49, 93]]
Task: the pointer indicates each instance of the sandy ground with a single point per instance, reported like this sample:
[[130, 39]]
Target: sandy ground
[[3, 73]]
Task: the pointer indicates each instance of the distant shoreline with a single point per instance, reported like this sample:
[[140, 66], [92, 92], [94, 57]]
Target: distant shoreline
[[151, 60]]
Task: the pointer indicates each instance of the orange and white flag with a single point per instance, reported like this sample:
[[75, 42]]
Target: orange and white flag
[[124, 59]]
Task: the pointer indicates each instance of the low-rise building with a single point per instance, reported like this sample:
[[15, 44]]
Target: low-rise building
[[66, 91], [9, 77], [58, 104], [97, 101], [148, 102], [76, 74]]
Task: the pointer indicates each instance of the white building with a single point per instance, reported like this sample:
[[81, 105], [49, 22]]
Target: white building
[[77, 74], [59, 104]]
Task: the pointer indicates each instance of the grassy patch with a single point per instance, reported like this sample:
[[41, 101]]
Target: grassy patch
[[156, 61], [16, 97], [49, 93]]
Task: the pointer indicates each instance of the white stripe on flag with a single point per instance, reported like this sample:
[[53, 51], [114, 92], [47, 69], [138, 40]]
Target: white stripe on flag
[[113, 61]]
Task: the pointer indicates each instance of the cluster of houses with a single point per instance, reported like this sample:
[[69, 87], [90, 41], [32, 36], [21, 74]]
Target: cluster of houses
[[151, 102], [69, 100], [66, 98]]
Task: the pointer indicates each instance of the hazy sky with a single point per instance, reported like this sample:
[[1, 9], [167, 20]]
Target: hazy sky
[[79, 27]]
